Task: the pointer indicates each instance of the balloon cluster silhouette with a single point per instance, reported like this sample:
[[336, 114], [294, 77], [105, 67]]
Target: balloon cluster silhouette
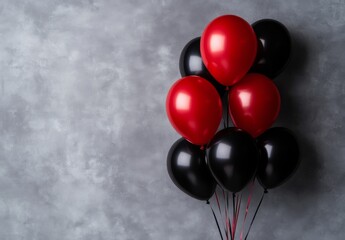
[[231, 65]]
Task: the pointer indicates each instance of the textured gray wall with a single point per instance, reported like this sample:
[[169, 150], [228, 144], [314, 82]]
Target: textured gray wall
[[84, 134]]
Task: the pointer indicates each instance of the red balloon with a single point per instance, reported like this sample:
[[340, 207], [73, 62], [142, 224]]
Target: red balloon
[[194, 109], [254, 103], [228, 48]]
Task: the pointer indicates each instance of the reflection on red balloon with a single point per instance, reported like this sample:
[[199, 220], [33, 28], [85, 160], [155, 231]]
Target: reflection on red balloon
[[194, 109], [228, 48], [254, 103]]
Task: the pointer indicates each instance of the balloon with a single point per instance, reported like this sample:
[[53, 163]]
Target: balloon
[[279, 157], [233, 158], [194, 109], [274, 47], [254, 103], [187, 168], [191, 64], [228, 48]]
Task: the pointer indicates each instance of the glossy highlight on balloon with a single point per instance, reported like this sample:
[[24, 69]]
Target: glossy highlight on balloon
[[254, 103], [194, 108], [188, 170], [191, 64], [274, 47], [233, 158], [228, 48], [279, 157]]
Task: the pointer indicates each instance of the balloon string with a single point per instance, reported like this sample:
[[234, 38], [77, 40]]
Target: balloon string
[[227, 107], [215, 218], [225, 100], [238, 207], [256, 211], [220, 210], [228, 220], [227, 231], [226, 119], [225, 215], [247, 207], [233, 215]]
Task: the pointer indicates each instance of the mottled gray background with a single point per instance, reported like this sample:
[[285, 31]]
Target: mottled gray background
[[84, 134]]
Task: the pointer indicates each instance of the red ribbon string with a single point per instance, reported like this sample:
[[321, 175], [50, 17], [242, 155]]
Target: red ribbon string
[[228, 231], [221, 215], [247, 208], [238, 209], [256, 211], [226, 216], [228, 220]]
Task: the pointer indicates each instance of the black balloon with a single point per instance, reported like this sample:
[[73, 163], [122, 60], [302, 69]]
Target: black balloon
[[191, 64], [274, 46], [279, 157], [187, 168], [233, 158]]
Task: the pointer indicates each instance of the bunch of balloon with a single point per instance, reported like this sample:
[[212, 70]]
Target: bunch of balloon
[[235, 60]]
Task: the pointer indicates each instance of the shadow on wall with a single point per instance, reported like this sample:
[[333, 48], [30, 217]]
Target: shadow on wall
[[294, 114]]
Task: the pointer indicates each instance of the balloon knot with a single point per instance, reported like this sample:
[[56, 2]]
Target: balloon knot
[[202, 148], [265, 191], [227, 88], [207, 202]]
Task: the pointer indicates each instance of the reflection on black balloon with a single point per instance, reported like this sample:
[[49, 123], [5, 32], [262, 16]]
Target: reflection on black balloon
[[279, 157], [274, 46], [191, 64], [233, 158], [187, 168]]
